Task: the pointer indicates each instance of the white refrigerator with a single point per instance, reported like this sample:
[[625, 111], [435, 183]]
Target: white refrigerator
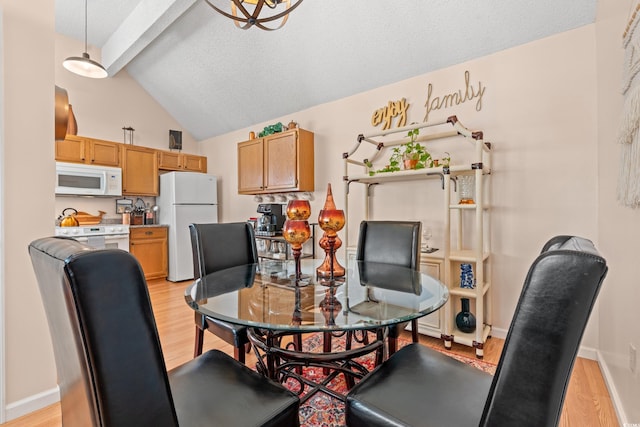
[[185, 198]]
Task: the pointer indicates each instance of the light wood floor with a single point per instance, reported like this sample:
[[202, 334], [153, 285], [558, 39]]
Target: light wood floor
[[587, 402]]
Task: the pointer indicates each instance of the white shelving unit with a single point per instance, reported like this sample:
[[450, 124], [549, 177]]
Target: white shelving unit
[[466, 226]]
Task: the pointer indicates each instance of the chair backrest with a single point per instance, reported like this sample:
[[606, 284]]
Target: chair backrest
[[219, 246], [111, 371], [531, 379], [390, 242]]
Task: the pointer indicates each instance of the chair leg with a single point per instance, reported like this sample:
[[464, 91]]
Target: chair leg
[[197, 350], [238, 354], [393, 345], [414, 330]]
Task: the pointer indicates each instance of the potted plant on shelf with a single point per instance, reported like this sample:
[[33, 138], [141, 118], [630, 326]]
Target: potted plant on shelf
[[411, 155]]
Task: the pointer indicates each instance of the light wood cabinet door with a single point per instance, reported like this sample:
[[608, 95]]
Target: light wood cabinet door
[[281, 161], [71, 149], [250, 166], [169, 161], [139, 171], [149, 246], [192, 163], [104, 153]]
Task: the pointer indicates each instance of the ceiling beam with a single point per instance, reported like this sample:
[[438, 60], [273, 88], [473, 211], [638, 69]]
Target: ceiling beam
[[147, 21]]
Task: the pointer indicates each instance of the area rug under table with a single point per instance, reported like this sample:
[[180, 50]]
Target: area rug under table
[[322, 410]]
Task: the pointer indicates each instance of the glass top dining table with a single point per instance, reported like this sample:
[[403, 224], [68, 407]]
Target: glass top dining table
[[371, 295]]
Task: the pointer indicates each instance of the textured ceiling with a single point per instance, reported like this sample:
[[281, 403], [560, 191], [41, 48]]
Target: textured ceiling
[[214, 78]]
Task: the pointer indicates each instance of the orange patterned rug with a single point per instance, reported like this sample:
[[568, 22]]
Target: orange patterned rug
[[322, 410]]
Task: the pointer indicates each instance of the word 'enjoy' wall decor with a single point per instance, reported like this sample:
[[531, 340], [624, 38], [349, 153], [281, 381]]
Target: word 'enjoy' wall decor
[[387, 113]]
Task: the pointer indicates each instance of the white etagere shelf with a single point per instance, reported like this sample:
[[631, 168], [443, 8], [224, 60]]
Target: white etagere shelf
[[458, 218]]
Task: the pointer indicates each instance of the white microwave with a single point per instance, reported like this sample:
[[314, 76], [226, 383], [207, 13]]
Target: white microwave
[[88, 180]]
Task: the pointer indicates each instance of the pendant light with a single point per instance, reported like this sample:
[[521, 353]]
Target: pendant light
[[84, 65], [246, 18]]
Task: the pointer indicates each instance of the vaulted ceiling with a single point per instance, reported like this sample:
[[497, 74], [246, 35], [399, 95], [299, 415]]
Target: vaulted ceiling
[[214, 78]]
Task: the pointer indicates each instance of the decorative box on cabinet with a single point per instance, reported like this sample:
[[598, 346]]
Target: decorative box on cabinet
[[466, 226], [139, 171], [279, 162], [149, 246], [80, 149]]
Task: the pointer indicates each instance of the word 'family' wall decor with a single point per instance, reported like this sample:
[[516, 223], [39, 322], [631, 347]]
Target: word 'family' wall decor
[[454, 98]]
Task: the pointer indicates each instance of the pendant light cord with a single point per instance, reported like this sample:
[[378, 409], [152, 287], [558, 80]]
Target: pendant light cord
[[85, 27]]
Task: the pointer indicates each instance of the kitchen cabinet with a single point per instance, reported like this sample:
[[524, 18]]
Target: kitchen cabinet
[[80, 149], [277, 163], [139, 171], [168, 160], [149, 246]]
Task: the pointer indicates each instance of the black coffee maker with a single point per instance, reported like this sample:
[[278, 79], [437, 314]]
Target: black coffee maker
[[271, 221]]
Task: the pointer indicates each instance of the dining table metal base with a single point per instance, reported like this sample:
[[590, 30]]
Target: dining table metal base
[[282, 363]]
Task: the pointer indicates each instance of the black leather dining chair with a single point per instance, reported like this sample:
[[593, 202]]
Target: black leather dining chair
[[216, 247], [391, 242], [532, 375], [110, 366]]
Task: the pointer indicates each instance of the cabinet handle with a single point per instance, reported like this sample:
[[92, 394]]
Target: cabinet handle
[[148, 233]]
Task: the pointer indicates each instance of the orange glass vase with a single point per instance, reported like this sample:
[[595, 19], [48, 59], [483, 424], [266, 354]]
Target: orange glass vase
[[296, 230], [298, 209], [330, 220]]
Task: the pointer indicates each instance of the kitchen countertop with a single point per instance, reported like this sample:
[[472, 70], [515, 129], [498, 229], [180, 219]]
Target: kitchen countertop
[[148, 225]]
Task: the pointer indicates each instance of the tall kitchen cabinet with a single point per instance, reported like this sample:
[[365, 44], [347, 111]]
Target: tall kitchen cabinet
[[139, 171], [466, 226], [277, 163]]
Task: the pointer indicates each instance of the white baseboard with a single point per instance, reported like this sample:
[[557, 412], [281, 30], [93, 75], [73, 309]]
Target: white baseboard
[[32, 403], [613, 392]]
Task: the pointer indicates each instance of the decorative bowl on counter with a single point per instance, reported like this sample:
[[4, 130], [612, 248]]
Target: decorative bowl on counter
[[87, 219]]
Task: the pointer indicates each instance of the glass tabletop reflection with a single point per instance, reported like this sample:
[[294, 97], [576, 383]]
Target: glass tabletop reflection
[[369, 296]]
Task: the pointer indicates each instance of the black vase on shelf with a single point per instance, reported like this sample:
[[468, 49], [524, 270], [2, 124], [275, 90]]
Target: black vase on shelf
[[465, 320]]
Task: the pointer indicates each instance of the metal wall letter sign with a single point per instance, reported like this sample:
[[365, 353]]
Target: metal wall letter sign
[[469, 93]]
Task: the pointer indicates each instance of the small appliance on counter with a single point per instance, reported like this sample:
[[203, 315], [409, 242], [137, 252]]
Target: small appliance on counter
[[271, 221]]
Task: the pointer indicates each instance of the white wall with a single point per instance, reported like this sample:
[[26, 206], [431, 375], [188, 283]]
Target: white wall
[[32, 55], [27, 194], [539, 112], [619, 227]]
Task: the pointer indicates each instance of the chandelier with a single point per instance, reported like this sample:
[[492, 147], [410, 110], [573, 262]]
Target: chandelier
[[245, 17]]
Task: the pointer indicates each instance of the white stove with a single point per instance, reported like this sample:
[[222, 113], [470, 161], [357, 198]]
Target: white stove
[[99, 236]]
